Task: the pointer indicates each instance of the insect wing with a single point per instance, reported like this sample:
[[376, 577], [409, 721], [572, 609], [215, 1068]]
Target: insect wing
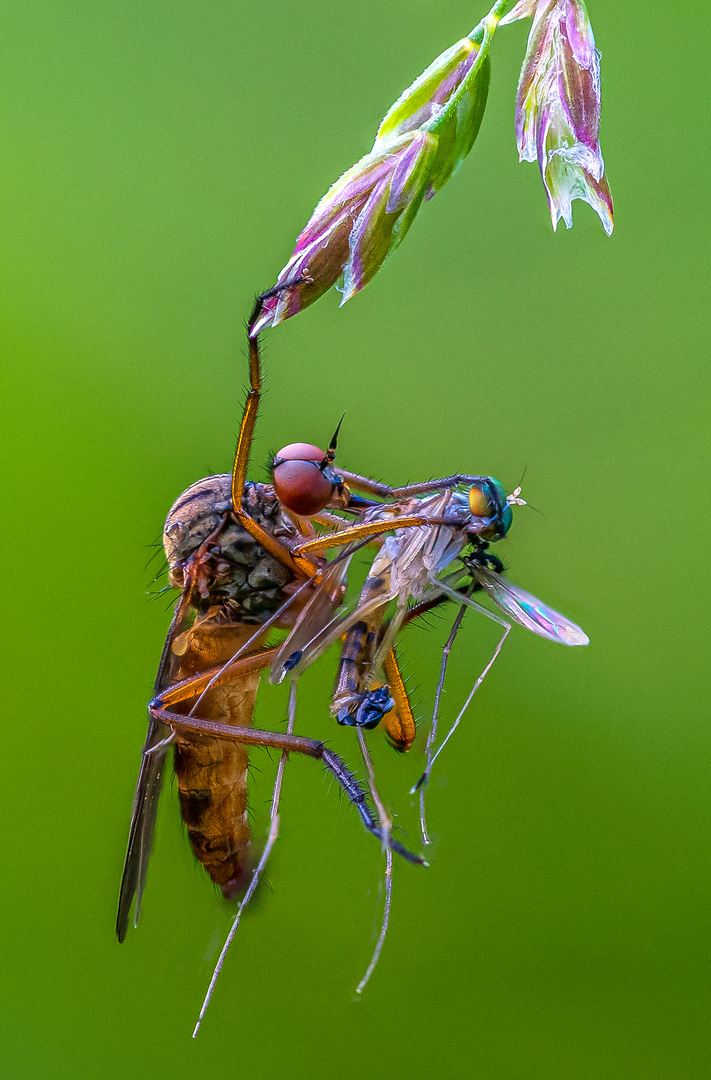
[[318, 613], [528, 610], [335, 630], [143, 820], [148, 787], [325, 633]]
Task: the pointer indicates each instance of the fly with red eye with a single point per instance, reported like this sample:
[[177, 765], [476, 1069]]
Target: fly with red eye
[[247, 558], [233, 549]]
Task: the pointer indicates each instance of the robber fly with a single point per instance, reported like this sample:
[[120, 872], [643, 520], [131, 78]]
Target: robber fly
[[245, 558]]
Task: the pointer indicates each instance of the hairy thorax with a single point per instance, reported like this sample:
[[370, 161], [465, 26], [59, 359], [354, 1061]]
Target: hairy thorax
[[235, 574]]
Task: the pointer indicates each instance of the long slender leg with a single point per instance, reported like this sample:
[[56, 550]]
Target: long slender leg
[[333, 521], [468, 602], [426, 775], [278, 740], [274, 546], [422, 608], [432, 735], [384, 491], [365, 484], [441, 484], [385, 825], [251, 408], [214, 677], [271, 840]]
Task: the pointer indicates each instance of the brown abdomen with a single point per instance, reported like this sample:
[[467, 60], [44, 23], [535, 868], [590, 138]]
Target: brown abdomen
[[212, 773]]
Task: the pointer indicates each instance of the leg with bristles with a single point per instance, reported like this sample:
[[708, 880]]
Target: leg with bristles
[[272, 544], [365, 532], [297, 744], [399, 723], [197, 685], [251, 408], [271, 840], [384, 491]]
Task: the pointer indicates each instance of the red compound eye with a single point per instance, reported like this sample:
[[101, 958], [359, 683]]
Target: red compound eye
[[301, 486]]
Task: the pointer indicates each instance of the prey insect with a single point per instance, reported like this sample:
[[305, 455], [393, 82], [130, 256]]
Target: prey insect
[[404, 570], [245, 558], [448, 559]]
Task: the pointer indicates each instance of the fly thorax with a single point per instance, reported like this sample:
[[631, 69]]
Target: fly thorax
[[234, 571]]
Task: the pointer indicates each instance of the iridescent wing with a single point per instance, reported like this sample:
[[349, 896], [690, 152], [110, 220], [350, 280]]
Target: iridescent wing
[[527, 610]]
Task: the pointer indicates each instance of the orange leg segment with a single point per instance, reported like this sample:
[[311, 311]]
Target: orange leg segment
[[191, 688], [361, 532], [275, 547], [251, 408], [399, 723]]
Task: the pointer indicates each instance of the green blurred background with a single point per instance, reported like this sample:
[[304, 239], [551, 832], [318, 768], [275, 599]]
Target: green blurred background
[[158, 160]]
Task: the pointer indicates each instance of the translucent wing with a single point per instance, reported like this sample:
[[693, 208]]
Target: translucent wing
[[377, 593], [527, 610], [143, 819], [398, 570], [148, 788], [332, 632], [318, 614], [419, 555]]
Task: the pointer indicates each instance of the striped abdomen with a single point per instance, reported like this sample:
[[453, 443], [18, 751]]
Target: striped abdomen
[[212, 773]]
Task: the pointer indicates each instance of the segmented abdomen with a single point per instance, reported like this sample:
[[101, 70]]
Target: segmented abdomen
[[212, 773]]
